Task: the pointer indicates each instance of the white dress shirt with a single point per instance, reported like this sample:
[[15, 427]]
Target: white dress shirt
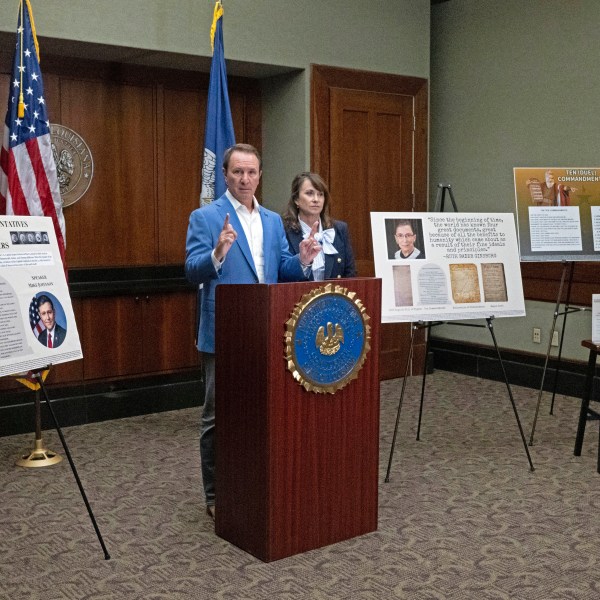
[[253, 230]]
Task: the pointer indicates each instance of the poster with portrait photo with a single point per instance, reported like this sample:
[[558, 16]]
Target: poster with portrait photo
[[558, 210], [405, 239], [37, 324], [467, 266]]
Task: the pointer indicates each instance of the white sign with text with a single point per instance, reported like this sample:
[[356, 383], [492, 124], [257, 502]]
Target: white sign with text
[[37, 325], [447, 266]]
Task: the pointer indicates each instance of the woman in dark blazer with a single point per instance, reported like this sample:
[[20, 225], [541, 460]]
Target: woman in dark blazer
[[309, 203]]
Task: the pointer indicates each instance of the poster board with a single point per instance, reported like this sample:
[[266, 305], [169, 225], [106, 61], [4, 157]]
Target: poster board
[[596, 318], [558, 213], [466, 266], [34, 297]]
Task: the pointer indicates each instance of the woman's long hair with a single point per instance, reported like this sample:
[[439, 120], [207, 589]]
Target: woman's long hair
[[290, 214]]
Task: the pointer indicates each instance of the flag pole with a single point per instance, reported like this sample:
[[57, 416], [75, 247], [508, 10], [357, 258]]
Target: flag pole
[[39, 456]]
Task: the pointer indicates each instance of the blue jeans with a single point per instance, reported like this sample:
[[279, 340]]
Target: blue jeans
[[207, 430]]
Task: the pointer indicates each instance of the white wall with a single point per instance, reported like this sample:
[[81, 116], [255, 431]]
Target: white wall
[[513, 83]]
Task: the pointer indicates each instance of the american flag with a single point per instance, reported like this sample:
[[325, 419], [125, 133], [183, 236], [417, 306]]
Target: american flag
[[28, 181], [37, 326]]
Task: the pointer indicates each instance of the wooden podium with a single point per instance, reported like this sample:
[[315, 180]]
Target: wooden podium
[[295, 470]]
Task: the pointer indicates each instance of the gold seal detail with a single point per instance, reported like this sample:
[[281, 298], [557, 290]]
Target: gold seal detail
[[74, 163], [327, 339], [329, 344]]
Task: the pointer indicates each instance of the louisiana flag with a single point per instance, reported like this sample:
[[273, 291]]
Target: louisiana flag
[[28, 181], [218, 132]]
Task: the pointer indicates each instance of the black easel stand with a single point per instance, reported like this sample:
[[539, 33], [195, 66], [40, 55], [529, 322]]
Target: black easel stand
[[37, 376], [512, 400], [570, 265], [410, 353], [439, 207], [441, 195], [408, 360]]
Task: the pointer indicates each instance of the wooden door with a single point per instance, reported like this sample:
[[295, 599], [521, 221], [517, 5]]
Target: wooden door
[[370, 162], [369, 141]]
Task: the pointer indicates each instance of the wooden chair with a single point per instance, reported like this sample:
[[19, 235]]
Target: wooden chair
[[586, 412]]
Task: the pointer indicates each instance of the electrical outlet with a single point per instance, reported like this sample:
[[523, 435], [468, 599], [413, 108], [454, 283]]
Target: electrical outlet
[[555, 338], [537, 335]]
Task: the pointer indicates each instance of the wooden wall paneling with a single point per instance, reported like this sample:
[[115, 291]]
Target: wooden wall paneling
[[169, 331], [245, 101], [237, 102], [541, 281], [116, 218], [253, 114], [159, 166], [4, 88], [52, 96], [181, 155], [112, 336]]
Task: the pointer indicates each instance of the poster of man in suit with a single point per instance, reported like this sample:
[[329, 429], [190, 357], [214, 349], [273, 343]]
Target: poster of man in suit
[[49, 313], [37, 324]]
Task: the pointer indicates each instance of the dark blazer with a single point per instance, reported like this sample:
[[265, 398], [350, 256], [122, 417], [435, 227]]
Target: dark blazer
[[203, 232], [336, 265], [60, 333]]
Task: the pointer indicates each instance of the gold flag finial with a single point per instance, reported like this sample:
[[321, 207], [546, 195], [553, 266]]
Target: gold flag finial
[[213, 28]]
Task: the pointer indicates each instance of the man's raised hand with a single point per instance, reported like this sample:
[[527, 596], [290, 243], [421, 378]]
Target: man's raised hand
[[227, 236]]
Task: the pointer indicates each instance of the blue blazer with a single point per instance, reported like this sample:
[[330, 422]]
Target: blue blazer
[[205, 225], [336, 265]]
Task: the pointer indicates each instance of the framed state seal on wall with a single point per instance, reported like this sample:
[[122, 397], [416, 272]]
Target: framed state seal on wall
[[74, 163], [327, 339]]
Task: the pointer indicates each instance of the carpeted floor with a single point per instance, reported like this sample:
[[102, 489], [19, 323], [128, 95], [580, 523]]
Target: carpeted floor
[[462, 517]]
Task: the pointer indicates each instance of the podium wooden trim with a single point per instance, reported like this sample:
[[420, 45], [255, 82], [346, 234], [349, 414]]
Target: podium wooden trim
[[295, 470]]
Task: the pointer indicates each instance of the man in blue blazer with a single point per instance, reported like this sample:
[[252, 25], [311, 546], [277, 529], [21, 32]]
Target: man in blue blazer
[[235, 240]]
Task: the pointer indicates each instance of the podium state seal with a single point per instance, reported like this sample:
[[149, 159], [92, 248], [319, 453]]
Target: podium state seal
[[327, 339]]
